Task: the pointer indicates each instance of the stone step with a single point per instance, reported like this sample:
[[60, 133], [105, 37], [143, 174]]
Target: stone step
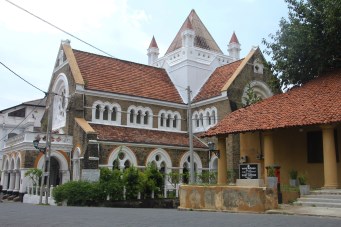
[[318, 204], [325, 199], [322, 196], [326, 192]]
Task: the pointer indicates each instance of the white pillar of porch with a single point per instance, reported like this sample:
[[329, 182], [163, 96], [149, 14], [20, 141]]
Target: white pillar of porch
[[17, 181], [11, 181]]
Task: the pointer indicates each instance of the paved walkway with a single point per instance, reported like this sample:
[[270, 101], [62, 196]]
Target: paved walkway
[[310, 211]]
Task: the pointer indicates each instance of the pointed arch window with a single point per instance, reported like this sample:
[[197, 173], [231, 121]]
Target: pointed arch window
[[132, 113], [106, 113], [98, 112], [162, 119], [213, 117], [175, 121], [201, 119], [139, 117], [168, 120], [114, 114], [208, 118], [145, 118]]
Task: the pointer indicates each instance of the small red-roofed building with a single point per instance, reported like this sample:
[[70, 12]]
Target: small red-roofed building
[[297, 130]]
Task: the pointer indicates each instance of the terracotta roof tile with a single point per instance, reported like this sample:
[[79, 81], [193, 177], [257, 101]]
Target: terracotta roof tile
[[153, 43], [144, 136], [316, 102], [234, 38], [112, 75], [217, 80]]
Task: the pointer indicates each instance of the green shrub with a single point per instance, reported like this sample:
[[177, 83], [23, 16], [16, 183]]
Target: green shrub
[[111, 183], [132, 181], [78, 193], [293, 174], [152, 180], [207, 177], [302, 179]]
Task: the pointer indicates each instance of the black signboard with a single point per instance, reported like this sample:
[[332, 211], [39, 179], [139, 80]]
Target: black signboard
[[248, 171]]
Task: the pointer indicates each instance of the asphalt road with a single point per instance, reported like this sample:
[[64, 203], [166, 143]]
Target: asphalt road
[[18, 214]]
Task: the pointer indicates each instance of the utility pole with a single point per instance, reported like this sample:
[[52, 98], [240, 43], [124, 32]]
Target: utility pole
[[48, 145], [190, 136], [47, 149]]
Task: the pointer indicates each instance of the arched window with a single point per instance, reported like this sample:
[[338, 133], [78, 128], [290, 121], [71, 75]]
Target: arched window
[[201, 119], [106, 113], [98, 112], [132, 113], [162, 119], [168, 120], [208, 118], [114, 114], [127, 164], [175, 121], [213, 117], [146, 117], [138, 117], [196, 120]]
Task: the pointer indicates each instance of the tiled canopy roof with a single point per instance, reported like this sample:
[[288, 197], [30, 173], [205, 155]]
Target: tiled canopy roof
[[217, 80], [316, 102], [123, 77], [144, 136], [203, 38]]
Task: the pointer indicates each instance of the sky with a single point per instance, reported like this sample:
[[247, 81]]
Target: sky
[[122, 28]]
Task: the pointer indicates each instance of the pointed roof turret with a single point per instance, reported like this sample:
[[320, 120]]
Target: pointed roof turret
[[153, 43], [202, 39], [234, 38]]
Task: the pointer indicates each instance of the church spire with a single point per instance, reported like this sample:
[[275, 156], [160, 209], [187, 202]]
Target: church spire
[[152, 52], [234, 47]]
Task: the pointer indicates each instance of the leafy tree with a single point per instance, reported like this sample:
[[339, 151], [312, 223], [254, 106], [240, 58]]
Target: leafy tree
[[308, 43], [34, 175]]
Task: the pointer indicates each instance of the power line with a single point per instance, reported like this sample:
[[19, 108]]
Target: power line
[[60, 29], [22, 78], [3, 138]]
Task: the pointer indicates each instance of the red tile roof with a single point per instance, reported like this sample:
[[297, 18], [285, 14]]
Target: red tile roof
[[203, 38], [234, 38], [153, 43], [316, 102], [144, 136], [217, 80], [112, 75]]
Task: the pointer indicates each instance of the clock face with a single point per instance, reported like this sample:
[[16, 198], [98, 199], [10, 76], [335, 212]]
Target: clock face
[[60, 102]]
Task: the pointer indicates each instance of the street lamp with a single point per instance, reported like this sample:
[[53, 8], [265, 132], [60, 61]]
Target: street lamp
[[211, 147]]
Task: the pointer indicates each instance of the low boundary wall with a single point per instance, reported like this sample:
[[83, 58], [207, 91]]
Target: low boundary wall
[[227, 198]]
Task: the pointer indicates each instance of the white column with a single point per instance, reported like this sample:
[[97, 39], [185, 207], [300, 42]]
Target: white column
[[11, 181], [65, 176], [23, 182], [5, 180], [17, 181]]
